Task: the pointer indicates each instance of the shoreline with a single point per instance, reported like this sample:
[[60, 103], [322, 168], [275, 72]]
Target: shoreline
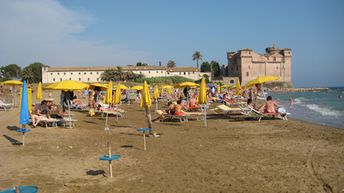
[[284, 90]]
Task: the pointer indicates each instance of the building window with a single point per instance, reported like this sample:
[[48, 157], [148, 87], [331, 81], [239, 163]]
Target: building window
[[64, 73], [88, 79], [58, 73], [247, 74], [188, 73], [84, 73], [53, 79], [168, 73], [51, 73], [180, 73], [97, 72], [70, 78], [184, 73], [140, 72], [79, 73], [162, 72], [60, 79], [79, 79], [274, 58], [237, 68], [90, 72], [97, 79], [149, 72], [231, 81]]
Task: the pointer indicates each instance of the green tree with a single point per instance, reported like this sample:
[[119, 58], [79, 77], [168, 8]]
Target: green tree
[[11, 71], [197, 56], [171, 64], [118, 75], [205, 67], [36, 69], [28, 75], [141, 64], [216, 69]]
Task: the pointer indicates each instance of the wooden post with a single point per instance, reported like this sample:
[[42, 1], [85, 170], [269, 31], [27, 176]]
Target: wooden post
[[156, 104], [205, 114], [23, 139], [106, 122], [110, 165]]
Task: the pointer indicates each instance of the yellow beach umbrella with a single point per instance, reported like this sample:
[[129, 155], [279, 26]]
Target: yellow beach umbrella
[[238, 88], [156, 96], [12, 82], [156, 93], [29, 97], [202, 95], [117, 99], [108, 98], [186, 84], [169, 88], [138, 87], [102, 87], [218, 88], [122, 87], [68, 85], [145, 99], [202, 99], [261, 80], [39, 94]]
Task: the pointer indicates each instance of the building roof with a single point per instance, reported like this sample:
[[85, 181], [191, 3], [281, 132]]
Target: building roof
[[126, 68]]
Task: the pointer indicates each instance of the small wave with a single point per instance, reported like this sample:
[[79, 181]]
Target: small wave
[[323, 110], [300, 100]]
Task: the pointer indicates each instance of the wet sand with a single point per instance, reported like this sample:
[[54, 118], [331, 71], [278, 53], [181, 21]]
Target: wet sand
[[228, 156]]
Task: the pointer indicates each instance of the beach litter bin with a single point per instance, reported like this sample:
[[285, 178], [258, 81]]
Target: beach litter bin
[[109, 157], [21, 189]]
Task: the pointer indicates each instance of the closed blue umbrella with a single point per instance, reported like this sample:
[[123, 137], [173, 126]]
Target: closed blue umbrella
[[24, 107], [24, 112]]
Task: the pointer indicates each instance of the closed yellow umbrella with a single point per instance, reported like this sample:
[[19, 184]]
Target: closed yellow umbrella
[[39, 94], [117, 99], [108, 98], [218, 88], [145, 99], [261, 80], [123, 87], [156, 96], [29, 97], [156, 93], [238, 88], [202, 99], [146, 103]]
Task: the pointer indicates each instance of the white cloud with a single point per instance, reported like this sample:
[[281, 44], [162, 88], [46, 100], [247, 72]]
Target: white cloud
[[45, 31]]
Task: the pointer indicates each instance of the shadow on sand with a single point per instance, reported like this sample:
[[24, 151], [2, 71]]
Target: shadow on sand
[[12, 140], [12, 128], [95, 172]]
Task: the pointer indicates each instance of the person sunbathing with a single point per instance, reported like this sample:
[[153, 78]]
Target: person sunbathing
[[178, 109], [40, 112], [270, 106], [168, 111]]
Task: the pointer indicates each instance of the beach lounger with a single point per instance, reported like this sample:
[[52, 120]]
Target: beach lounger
[[179, 118], [68, 122], [5, 106], [224, 109], [274, 115], [50, 121]]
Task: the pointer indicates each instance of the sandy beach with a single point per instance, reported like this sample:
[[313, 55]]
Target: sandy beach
[[228, 156]]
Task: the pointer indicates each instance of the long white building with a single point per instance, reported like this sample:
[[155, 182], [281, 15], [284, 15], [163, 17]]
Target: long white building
[[93, 74]]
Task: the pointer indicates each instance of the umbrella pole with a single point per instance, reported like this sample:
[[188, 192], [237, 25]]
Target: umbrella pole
[[205, 115], [23, 139], [110, 164], [70, 117], [106, 122], [144, 141], [156, 104]]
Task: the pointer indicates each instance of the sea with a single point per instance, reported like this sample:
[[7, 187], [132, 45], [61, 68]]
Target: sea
[[321, 107]]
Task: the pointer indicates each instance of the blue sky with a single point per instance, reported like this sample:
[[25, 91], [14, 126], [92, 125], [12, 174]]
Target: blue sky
[[87, 32]]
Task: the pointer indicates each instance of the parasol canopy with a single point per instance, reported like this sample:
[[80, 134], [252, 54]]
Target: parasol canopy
[[68, 85], [12, 82], [186, 84], [261, 80]]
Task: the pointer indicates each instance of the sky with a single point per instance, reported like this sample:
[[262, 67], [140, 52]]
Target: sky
[[114, 32]]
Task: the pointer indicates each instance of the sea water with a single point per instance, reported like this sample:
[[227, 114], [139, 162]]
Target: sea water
[[322, 107]]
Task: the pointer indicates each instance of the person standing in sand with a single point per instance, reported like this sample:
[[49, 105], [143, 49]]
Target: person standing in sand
[[291, 103]]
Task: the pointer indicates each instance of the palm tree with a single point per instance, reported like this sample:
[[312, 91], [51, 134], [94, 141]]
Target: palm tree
[[197, 56], [171, 64]]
